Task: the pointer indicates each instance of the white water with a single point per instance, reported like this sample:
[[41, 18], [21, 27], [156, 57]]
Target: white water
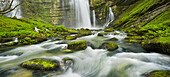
[[90, 62], [36, 29], [81, 10], [94, 18], [16, 12], [110, 18]]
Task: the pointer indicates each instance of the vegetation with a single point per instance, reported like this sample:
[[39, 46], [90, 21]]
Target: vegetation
[[41, 64], [158, 74], [77, 45], [110, 46]]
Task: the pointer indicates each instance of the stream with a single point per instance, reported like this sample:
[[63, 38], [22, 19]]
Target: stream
[[128, 60]]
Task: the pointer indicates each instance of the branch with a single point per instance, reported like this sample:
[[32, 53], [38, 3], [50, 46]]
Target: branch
[[3, 12], [8, 7]]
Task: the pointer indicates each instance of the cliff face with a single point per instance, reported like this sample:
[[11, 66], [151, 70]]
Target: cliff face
[[47, 11]]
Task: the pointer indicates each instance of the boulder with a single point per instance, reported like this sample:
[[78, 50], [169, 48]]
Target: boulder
[[42, 64], [102, 34], [70, 37], [109, 30], [159, 45], [113, 39], [158, 74], [78, 45], [72, 31], [110, 46], [84, 32]]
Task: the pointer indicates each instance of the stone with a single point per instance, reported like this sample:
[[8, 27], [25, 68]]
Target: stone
[[42, 64], [110, 46], [77, 45]]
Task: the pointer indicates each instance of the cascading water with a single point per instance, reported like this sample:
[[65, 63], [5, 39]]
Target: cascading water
[[81, 13], [110, 17], [94, 18], [16, 12]]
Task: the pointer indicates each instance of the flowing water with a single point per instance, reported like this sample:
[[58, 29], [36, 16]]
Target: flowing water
[[110, 17], [127, 61]]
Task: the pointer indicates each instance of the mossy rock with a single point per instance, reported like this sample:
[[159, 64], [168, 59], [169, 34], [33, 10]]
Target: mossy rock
[[61, 28], [115, 33], [84, 32], [3, 40], [65, 33], [73, 31], [70, 37], [110, 46], [158, 74], [113, 39], [102, 34], [42, 64], [159, 45], [78, 45], [109, 30]]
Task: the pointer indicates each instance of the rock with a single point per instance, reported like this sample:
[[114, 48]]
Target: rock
[[61, 28], [102, 34], [71, 37], [115, 33], [84, 32], [67, 51], [109, 30], [78, 45], [113, 39], [42, 64], [159, 45], [110, 46], [65, 33], [3, 40], [158, 74], [73, 31]]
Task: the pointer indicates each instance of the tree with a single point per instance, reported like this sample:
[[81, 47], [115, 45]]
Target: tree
[[6, 6]]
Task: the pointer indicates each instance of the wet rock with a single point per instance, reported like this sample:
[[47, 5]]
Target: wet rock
[[158, 74], [70, 37], [72, 31], [67, 51], [61, 28], [158, 45], [110, 46], [109, 30], [84, 32], [102, 34], [115, 33], [113, 39], [42, 64], [78, 45], [3, 40]]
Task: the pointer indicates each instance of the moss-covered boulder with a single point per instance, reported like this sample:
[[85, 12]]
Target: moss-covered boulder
[[102, 34], [109, 30], [3, 40], [84, 32], [61, 28], [78, 45], [73, 31], [113, 39], [115, 33], [70, 37], [158, 74], [110, 46], [159, 45], [42, 64]]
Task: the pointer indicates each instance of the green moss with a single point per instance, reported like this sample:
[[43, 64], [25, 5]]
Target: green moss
[[110, 46], [61, 28], [78, 45], [70, 37], [109, 30], [158, 74], [41, 64], [115, 33], [102, 34], [72, 31], [84, 32]]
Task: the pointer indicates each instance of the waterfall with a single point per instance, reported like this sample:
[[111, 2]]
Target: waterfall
[[81, 11], [94, 19], [16, 12], [110, 17]]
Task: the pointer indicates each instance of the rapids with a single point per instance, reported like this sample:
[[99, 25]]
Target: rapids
[[87, 63]]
